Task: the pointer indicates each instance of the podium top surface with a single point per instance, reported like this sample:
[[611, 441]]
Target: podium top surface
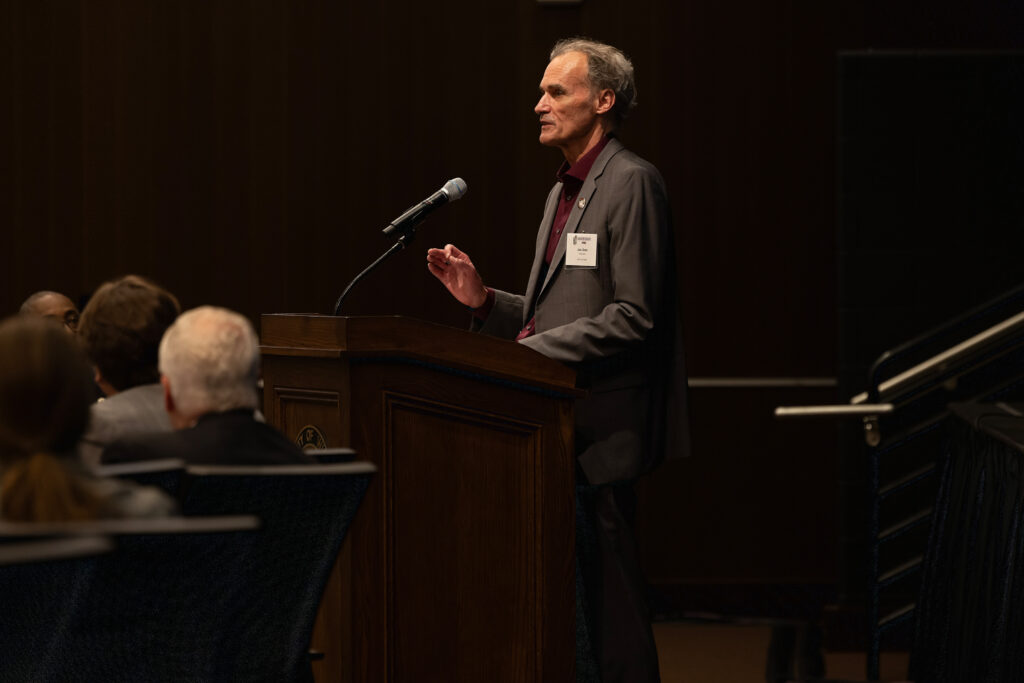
[[327, 336]]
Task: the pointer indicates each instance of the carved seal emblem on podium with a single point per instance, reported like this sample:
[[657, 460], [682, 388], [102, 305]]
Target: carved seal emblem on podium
[[309, 437]]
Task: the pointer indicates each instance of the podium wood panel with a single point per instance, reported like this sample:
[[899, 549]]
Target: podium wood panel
[[459, 565]]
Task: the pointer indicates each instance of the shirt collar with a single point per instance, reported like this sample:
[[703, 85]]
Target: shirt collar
[[579, 171]]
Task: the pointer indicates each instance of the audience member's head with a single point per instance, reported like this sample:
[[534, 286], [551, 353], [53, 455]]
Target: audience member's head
[[45, 393], [121, 328], [53, 305], [210, 363]]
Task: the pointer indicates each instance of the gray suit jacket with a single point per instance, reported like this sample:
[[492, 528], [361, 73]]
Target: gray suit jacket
[[616, 324], [139, 410]]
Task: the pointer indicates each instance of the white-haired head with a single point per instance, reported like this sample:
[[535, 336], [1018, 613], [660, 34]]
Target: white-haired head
[[210, 360]]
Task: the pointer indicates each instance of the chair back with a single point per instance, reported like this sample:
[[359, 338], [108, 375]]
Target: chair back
[[331, 455], [157, 608], [40, 583], [163, 474], [306, 511]]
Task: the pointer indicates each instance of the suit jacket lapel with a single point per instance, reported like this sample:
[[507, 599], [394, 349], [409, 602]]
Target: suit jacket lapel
[[542, 244], [572, 225]]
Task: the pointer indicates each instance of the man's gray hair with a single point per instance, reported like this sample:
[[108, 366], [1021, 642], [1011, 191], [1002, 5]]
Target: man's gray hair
[[607, 68], [211, 357]]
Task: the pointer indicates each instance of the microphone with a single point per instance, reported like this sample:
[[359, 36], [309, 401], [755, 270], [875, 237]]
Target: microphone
[[404, 224], [452, 190]]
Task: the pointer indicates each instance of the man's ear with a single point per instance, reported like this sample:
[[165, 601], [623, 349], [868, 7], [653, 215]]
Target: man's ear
[[168, 398], [105, 386], [605, 101], [178, 421]]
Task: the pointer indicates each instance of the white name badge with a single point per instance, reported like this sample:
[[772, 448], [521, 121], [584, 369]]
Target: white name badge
[[581, 250]]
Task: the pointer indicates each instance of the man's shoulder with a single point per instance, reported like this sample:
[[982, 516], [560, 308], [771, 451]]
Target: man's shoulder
[[228, 439], [624, 161], [281, 449], [136, 411], [149, 446], [143, 405], [629, 175], [237, 437], [188, 444]]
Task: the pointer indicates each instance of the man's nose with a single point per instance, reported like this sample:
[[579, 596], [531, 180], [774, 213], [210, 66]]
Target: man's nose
[[542, 105]]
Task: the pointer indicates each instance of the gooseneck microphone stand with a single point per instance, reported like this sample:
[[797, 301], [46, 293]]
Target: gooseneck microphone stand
[[405, 227], [403, 241]]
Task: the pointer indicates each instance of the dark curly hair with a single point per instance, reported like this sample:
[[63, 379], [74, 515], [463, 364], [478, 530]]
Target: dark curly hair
[[121, 328]]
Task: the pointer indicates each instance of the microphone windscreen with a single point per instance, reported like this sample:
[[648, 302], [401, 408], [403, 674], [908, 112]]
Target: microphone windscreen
[[455, 188]]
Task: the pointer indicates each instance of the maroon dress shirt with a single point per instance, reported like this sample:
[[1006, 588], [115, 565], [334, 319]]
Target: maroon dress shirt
[[572, 179]]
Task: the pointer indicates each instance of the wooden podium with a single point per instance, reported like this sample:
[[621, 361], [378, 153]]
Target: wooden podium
[[460, 563]]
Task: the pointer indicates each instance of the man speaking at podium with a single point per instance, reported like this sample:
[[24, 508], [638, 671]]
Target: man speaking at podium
[[601, 297]]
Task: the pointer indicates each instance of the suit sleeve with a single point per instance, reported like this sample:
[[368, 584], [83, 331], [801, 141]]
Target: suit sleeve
[[505, 319], [508, 315], [116, 452], [639, 251], [129, 449]]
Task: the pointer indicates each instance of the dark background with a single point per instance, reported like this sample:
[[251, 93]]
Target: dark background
[[247, 154]]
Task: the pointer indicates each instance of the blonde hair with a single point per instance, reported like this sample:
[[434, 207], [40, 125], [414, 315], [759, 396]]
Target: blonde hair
[[40, 489], [45, 392]]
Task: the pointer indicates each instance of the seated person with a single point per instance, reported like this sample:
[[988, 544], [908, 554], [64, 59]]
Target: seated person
[[121, 328], [45, 392], [210, 365], [53, 305]]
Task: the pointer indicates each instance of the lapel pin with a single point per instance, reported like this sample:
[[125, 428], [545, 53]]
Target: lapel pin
[[582, 203]]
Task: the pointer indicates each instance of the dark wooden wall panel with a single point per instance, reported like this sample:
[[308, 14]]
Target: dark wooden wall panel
[[248, 153], [42, 189], [758, 503]]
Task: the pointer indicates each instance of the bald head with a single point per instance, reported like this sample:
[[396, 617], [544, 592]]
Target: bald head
[[52, 305]]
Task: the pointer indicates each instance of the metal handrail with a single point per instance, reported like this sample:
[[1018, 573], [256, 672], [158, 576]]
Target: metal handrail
[[900, 391], [941, 362], [1008, 300], [839, 410]]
